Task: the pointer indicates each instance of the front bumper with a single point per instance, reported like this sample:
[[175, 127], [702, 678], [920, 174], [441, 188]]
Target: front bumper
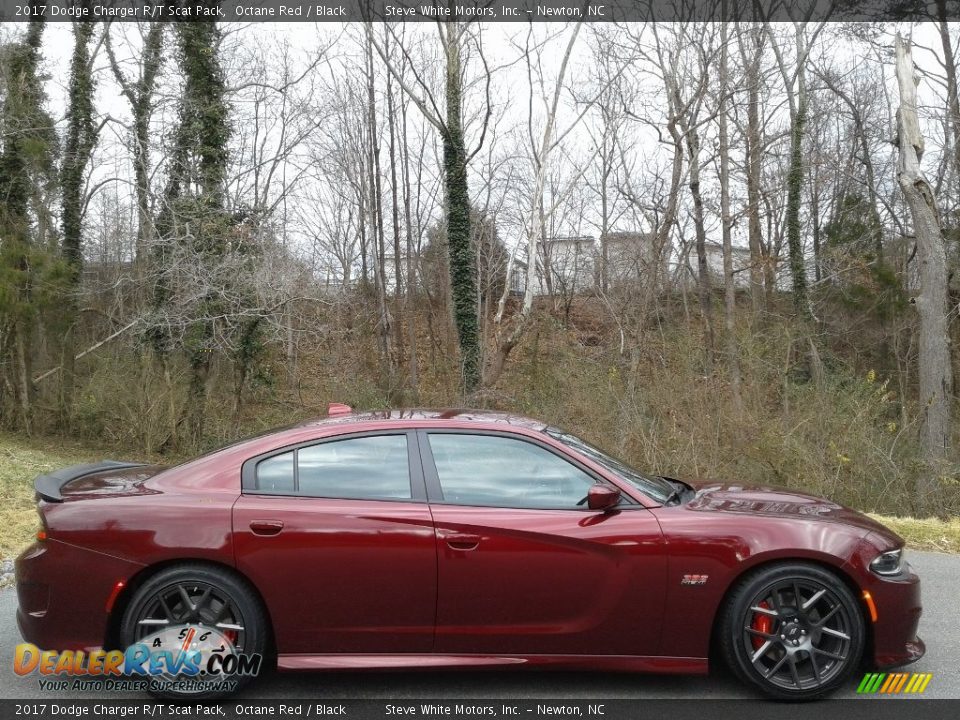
[[897, 600], [62, 594]]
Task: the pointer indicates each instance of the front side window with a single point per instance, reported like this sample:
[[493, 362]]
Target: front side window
[[654, 487], [496, 471], [363, 468]]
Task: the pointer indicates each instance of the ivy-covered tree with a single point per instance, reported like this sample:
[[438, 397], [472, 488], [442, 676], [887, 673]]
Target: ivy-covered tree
[[81, 138], [456, 37], [193, 221], [139, 92], [29, 272], [490, 260]]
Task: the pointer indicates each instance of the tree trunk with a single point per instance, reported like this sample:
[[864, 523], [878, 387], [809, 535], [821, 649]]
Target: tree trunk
[[197, 183], [140, 97], [729, 291], [936, 375], [950, 68], [80, 141], [754, 154], [395, 209], [798, 268], [409, 310], [462, 263], [536, 229], [376, 227], [703, 270]]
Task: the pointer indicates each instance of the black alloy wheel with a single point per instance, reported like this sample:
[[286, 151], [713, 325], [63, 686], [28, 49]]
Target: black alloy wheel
[[204, 597], [793, 631]]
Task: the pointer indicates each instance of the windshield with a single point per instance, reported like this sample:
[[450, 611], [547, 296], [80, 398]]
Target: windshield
[[656, 488]]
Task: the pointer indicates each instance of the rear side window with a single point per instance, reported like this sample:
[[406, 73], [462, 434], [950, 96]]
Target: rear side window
[[276, 473], [364, 468]]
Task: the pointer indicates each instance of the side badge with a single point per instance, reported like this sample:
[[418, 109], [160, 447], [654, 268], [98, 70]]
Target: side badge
[[694, 580]]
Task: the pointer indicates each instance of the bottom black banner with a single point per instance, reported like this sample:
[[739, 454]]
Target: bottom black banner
[[873, 708]]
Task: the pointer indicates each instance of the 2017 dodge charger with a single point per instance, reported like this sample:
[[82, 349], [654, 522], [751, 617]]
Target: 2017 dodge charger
[[456, 538]]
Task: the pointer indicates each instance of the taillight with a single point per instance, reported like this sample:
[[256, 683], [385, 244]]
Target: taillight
[[42, 532]]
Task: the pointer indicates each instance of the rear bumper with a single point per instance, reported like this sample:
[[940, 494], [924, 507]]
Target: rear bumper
[[62, 594]]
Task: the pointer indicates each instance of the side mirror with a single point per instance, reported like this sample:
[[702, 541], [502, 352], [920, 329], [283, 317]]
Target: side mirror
[[602, 497]]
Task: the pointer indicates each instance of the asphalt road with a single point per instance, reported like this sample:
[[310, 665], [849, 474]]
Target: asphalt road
[[939, 628]]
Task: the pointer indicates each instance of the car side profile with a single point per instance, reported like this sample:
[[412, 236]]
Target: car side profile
[[464, 539]]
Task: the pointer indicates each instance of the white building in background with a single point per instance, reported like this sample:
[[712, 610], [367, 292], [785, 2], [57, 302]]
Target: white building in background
[[566, 265], [633, 258], [572, 265], [686, 271], [741, 264]]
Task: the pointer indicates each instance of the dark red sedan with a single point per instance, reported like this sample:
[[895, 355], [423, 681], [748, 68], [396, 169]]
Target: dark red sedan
[[423, 539]]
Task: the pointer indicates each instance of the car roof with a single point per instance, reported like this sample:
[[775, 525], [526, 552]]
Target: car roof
[[452, 415]]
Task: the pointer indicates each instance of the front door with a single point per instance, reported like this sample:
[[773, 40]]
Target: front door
[[524, 567]]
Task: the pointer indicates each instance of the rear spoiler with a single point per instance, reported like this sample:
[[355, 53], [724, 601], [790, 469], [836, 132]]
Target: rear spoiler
[[48, 486]]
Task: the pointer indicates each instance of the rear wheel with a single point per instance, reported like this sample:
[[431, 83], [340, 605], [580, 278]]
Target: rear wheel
[[212, 601], [794, 631]]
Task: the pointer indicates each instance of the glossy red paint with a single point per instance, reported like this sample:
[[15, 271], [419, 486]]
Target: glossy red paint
[[617, 663], [375, 561], [419, 583]]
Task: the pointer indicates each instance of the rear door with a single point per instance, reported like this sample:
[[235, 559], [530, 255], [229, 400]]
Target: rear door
[[338, 537], [524, 568]]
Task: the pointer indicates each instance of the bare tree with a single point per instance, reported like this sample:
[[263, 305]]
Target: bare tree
[[506, 337], [936, 373], [729, 294], [686, 83], [751, 43]]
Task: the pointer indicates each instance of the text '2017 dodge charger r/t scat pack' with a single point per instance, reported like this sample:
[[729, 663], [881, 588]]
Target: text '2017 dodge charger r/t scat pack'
[[460, 539]]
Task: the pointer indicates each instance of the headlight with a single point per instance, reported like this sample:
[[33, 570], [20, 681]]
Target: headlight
[[888, 563]]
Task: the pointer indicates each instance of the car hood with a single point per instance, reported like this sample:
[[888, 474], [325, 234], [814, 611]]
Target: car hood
[[712, 496]]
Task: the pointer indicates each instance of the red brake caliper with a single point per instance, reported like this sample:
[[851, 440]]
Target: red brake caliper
[[761, 623]]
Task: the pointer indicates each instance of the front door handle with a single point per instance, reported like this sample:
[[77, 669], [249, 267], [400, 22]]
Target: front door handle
[[266, 527], [462, 541]]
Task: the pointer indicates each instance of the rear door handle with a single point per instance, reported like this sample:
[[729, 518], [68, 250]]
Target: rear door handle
[[266, 527], [462, 541]]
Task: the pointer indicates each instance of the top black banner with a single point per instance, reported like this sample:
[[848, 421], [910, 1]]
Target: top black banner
[[477, 10]]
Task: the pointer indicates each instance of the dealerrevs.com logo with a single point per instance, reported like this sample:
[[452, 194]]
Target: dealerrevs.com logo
[[178, 658]]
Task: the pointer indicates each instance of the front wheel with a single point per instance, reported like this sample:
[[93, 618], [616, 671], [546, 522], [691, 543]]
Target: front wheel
[[203, 609], [794, 631]]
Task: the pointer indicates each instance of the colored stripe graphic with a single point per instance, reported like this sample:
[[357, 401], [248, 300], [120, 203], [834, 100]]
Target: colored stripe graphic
[[894, 683], [901, 682], [886, 685], [861, 688]]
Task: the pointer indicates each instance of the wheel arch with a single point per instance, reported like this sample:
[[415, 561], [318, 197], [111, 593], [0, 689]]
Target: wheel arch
[[822, 563], [122, 601]]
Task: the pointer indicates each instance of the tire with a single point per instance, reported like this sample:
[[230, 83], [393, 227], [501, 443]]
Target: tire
[[217, 599], [786, 650]]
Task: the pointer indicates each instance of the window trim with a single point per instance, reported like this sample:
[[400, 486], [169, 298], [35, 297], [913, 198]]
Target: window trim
[[435, 490], [418, 493]]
